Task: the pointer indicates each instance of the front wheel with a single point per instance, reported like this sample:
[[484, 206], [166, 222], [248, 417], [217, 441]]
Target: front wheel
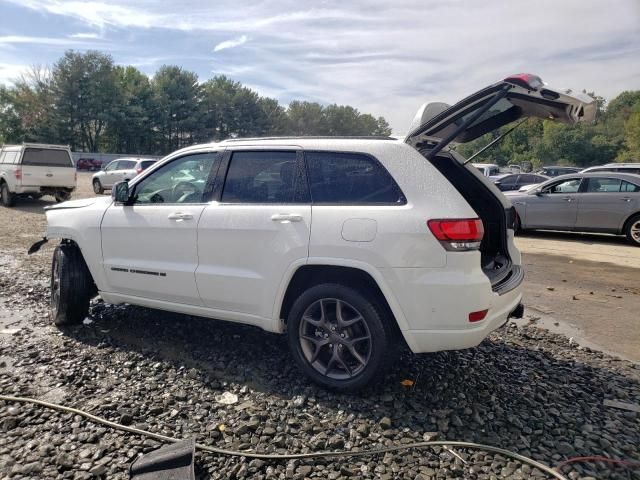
[[337, 336], [62, 196], [70, 286], [8, 199], [632, 230]]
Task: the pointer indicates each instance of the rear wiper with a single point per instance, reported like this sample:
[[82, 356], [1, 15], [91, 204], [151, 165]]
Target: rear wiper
[[493, 142]]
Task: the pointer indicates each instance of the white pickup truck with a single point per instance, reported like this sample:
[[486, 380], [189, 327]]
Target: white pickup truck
[[34, 170]]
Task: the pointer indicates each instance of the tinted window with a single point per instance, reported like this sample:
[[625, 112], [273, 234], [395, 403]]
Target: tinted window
[[566, 186], [508, 180], [146, 164], [629, 187], [184, 180], [263, 177], [350, 178], [46, 157], [126, 164], [603, 185]]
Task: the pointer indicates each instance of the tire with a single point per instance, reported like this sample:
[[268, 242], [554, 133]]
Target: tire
[[322, 348], [632, 230], [70, 286], [97, 187], [62, 196], [7, 198]]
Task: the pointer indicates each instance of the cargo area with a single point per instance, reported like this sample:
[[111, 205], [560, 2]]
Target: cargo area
[[495, 216]]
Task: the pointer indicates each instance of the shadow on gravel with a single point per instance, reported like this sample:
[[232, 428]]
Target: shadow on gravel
[[523, 389]]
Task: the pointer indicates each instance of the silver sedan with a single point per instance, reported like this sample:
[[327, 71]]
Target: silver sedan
[[604, 202]]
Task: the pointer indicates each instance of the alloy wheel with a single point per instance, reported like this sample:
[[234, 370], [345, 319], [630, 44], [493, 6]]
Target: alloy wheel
[[635, 231], [335, 338]]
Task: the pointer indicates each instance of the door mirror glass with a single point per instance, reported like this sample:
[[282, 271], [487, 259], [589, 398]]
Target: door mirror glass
[[120, 192]]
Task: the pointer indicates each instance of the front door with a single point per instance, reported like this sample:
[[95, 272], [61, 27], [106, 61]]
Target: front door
[[255, 234], [556, 206], [149, 246]]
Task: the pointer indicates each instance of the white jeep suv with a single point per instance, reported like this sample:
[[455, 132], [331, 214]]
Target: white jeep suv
[[350, 246]]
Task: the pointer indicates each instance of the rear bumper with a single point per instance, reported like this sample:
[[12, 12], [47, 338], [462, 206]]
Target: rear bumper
[[436, 304]]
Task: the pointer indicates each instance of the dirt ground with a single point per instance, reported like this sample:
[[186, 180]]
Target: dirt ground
[[585, 286]]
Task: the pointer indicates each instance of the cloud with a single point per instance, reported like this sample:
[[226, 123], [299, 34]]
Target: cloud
[[234, 42], [85, 35], [384, 58], [11, 71]]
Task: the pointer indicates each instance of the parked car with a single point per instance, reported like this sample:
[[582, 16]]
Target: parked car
[[90, 164], [487, 169], [516, 181], [553, 171], [513, 168], [604, 202], [34, 170], [407, 244], [121, 169], [615, 167]]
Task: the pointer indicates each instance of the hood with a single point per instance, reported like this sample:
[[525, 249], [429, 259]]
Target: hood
[[80, 203]]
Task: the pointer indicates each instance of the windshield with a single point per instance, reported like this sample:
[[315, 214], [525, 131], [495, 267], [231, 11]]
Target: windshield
[[48, 157]]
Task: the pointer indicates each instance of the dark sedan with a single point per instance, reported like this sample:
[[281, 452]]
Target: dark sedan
[[515, 181]]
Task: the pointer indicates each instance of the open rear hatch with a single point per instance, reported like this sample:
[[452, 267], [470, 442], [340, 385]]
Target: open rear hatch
[[436, 125]]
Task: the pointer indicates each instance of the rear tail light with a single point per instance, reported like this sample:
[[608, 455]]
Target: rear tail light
[[525, 80], [477, 316], [458, 235], [18, 174]]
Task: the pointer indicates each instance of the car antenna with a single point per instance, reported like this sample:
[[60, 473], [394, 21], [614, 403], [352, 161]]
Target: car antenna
[[492, 143]]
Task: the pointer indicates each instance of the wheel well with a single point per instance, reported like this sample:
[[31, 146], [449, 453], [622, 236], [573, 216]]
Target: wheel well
[[71, 243], [628, 220], [310, 275]]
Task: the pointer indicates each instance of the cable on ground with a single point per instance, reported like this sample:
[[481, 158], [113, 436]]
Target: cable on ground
[[290, 456]]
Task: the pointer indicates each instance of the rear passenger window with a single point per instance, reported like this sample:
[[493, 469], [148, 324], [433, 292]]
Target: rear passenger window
[[264, 177], [350, 178], [126, 165], [603, 185], [629, 187]]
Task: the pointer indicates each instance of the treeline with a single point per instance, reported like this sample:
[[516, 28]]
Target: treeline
[[90, 103], [615, 136]]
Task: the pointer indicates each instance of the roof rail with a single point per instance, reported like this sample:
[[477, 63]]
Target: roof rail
[[311, 137]]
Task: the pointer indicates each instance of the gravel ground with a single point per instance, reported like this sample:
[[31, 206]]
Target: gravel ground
[[523, 389]]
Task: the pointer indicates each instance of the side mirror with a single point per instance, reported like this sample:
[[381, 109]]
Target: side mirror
[[537, 191], [120, 192]]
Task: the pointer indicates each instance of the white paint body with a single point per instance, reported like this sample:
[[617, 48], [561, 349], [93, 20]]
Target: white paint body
[[234, 262]]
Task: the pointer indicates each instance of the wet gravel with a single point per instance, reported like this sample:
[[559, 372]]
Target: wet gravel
[[523, 389]]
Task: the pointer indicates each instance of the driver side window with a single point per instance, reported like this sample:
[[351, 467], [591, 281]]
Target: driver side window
[[112, 166], [183, 180], [567, 186]]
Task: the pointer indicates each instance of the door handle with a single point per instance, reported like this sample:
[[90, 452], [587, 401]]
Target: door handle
[[286, 217], [567, 199], [179, 216], [626, 199]]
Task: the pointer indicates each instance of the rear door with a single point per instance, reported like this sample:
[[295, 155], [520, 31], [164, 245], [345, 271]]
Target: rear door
[[47, 167], [603, 205], [256, 233], [555, 206], [497, 105]]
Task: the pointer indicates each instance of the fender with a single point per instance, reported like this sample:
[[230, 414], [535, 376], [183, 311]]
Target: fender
[[278, 325]]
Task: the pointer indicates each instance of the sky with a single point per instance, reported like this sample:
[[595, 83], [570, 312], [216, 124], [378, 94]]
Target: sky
[[382, 57]]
